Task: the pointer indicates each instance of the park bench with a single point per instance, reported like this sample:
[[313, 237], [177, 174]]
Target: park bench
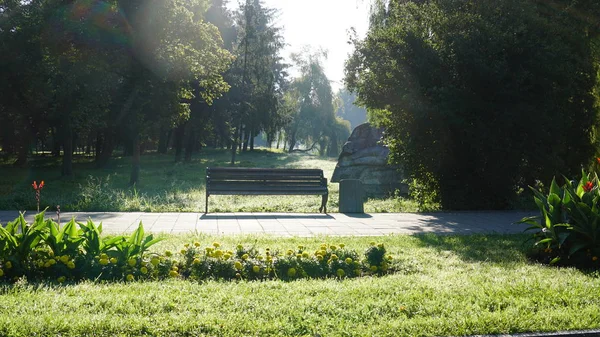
[[266, 181]]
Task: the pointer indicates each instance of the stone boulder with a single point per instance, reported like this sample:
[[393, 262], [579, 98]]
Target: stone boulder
[[363, 157]]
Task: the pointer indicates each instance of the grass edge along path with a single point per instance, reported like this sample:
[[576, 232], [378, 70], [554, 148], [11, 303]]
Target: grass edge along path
[[450, 286]]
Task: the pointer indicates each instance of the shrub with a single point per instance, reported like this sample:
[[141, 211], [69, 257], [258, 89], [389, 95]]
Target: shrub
[[45, 251], [567, 231]]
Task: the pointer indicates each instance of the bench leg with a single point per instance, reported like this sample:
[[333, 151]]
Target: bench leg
[[206, 205], [323, 207]]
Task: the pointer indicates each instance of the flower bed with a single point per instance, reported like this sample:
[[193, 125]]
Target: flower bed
[[77, 251]]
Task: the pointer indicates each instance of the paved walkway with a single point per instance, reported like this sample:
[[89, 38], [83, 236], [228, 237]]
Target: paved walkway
[[300, 224]]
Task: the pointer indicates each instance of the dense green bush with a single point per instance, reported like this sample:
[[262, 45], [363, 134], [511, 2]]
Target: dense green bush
[[46, 251], [567, 231]]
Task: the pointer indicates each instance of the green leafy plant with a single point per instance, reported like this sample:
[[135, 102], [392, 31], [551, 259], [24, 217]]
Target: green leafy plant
[[567, 229]]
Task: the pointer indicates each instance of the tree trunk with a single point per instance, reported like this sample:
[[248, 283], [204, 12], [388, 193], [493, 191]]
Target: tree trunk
[[163, 141], [67, 140], [179, 138], [134, 178], [234, 143], [98, 146], [108, 146], [189, 146], [292, 142], [252, 135], [22, 151]]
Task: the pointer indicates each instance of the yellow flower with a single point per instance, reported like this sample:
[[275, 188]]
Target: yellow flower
[[173, 273], [144, 270], [245, 257], [300, 247], [47, 264], [290, 252], [196, 261], [216, 244], [197, 244], [305, 255], [238, 265], [380, 246], [8, 265], [320, 257], [269, 258], [348, 260], [183, 251], [71, 265], [390, 257], [594, 258], [298, 256], [64, 259], [209, 250], [373, 268], [113, 260], [187, 245], [104, 256], [61, 279], [218, 253], [155, 261], [384, 266], [372, 243], [342, 245], [340, 272], [256, 269], [132, 262], [357, 272], [51, 261], [1, 272], [291, 272], [168, 253], [40, 263], [227, 256], [332, 247], [103, 262], [174, 268], [334, 257], [238, 275], [260, 257], [129, 277], [240, 247]]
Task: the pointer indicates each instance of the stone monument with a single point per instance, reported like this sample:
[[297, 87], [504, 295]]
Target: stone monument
[[363, 157]]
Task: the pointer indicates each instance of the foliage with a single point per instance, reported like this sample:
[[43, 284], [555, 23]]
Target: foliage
[[568, 229], [459, 85], [45, 251], [462, 285], [168, 188], [348, 110]]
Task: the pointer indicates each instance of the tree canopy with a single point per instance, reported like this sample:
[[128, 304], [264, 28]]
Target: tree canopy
[[481, 97]]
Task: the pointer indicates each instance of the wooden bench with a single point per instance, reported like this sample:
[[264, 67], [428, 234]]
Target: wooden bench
[[266, 181]]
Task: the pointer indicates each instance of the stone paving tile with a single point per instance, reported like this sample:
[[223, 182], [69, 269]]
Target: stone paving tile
[[293, 224]]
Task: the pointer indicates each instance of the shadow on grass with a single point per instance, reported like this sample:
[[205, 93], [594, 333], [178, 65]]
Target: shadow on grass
[[494, 248]]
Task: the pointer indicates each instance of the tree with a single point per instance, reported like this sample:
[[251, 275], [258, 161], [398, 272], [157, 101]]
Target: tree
[[348, 110], [310, 107], [479, 97]]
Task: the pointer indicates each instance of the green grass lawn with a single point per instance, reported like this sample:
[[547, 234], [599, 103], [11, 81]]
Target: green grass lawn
[[166, 186], [447, 285]]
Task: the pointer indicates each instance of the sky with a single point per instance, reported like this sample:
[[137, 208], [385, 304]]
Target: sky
[[321, 24]]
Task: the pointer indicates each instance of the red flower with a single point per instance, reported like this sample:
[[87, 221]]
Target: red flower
[[36, 186], [598, 160], [588, 186]]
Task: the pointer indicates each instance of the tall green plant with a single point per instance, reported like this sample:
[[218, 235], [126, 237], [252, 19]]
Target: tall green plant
[[567, 230]]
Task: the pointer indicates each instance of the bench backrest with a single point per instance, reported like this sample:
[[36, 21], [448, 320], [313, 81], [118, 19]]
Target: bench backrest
[[240, 180]]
